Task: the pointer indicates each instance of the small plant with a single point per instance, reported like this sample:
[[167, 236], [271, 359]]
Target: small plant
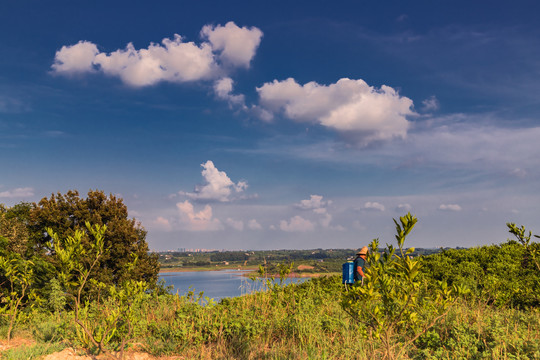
[[525, 240], [107, 318], [20, 276], [393, 306], [57, 298]]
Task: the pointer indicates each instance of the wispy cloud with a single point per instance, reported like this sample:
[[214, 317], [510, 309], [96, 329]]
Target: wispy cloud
[[297, 224], [373, 205], [18, 193], [450, 207], [202, 220]]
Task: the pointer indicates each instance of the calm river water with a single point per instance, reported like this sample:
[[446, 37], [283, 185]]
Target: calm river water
[[215, 284]]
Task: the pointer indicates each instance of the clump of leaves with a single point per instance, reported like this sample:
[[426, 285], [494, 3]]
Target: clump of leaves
[[393, 305]]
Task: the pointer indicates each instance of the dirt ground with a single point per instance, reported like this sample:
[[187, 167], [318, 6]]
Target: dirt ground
[[73, 354]]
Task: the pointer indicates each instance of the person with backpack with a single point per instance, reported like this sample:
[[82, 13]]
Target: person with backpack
[[360, 265]]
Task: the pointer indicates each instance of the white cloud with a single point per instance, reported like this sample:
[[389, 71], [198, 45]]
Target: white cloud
[[217, 187], [235, 224], [520, 173], [237, 44], [315, 202], [254, 225], [404, 207], [173, 60], [201, 221], [326, 220], [18, 193], [296, 224], [223, 89], [374, 206], [430, 104], [319, 207], [358, 111], [450, 207], [9, 104], [76, 58], [162, 223]]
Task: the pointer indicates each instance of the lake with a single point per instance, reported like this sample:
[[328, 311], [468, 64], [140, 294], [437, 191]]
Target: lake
[[215, 284]]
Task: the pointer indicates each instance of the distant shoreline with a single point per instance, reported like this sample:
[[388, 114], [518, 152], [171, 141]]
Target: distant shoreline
[[252, 271], [202, 268]]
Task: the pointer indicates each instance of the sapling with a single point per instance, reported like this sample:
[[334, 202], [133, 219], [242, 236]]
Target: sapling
[[525, 240], [390, 305], [110, 316], [20, 276]]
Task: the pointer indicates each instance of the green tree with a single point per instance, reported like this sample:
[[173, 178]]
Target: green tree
[[65, 214], [13, 227]]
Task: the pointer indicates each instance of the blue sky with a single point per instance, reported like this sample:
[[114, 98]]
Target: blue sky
[[264, 125]]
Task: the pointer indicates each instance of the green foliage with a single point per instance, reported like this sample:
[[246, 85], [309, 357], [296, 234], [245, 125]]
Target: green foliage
[[502, 275], [392, 305], [67, 214], [106, 322], [32, 352], [20, 276], [57, 299], [14, 231], [532, 250], [404, 309]]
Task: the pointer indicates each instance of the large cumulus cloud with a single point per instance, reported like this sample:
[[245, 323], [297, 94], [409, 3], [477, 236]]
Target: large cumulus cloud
[[351, 107]]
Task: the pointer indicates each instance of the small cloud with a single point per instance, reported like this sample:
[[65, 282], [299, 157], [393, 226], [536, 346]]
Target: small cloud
[[18, 193], [404, 207], [11, 105], [520, 173], [235, 224], [374, 206], [402, 18], [55, 134], [315, 202], [297, 224], [326, 220], [223, 89], [200, 221], [75, 59], [450, 207], [430, 104], [254, 225], [358, 226], [514, 211], [217, 187], [236, 45], [162, 223]]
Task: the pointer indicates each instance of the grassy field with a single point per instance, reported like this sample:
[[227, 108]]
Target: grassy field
[[302, 321]]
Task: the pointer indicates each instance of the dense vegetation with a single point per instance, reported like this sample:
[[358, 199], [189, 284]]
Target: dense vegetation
[[478, 303]]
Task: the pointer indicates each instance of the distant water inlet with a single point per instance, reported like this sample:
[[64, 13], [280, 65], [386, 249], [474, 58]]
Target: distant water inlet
[[216, 284]]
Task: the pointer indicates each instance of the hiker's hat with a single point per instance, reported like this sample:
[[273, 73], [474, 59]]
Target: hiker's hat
[[363, 251]]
